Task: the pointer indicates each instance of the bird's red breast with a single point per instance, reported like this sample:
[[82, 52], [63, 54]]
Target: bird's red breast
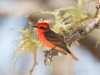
[[42, 36], [45, 41]]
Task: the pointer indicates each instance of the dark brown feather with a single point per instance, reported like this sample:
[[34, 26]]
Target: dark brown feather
[[56, 39]]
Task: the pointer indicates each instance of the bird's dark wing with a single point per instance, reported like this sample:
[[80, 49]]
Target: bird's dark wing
[[56, 39]]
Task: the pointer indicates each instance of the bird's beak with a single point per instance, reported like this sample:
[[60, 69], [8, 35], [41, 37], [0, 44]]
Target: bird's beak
[[35, 26]]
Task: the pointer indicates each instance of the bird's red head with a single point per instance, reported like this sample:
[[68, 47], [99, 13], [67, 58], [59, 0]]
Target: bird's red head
[[42, 26]]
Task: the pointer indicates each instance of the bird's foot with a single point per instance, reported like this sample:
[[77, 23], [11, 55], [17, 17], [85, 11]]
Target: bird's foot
[[49, 56]]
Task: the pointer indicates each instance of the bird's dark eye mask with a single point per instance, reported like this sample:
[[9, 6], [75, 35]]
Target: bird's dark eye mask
[[41, 27]]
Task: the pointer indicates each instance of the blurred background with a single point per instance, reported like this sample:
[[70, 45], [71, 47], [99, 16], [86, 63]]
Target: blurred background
[[12, 16]]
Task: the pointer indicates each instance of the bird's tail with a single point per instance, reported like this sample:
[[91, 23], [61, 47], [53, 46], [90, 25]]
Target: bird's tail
[[70, 53], [74, 57], [67, 51]]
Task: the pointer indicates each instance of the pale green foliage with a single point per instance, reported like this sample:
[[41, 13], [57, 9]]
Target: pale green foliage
[[70, 31], [76, 42], [28, 40], [48, 21], [51, 65]]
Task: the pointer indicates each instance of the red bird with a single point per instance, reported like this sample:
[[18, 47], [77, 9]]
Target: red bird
[[51, 39]]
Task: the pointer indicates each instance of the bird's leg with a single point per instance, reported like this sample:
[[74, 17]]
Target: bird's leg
[[49, 55]]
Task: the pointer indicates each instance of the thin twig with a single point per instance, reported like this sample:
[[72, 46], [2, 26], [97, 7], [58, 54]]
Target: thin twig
[[35, 63], [79, 22]]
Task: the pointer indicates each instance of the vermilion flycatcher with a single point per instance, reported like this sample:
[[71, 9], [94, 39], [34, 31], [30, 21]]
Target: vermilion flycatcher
[[51, 39]]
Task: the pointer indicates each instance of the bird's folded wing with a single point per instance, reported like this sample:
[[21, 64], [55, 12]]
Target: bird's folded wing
[[55, 39]]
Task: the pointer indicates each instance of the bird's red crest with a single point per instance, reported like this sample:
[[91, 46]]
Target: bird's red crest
[[44, 24]]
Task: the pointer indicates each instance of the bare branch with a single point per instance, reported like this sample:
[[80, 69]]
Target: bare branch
[[35, 63]]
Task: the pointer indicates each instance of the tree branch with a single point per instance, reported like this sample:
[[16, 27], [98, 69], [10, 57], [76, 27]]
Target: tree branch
[[35, 63], [94, 24]]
